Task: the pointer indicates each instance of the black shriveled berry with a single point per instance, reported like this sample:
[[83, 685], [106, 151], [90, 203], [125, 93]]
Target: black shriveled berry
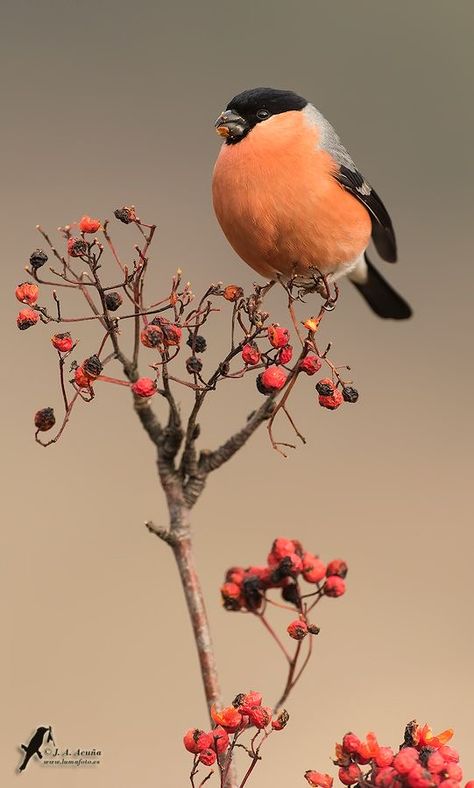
[[44, 419], [113, 301], [123, 215], [197, 343], [38, 258], [350, 394], [92, 366], [193, 365], [325, 389]]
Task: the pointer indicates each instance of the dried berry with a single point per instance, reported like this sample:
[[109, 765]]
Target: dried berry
[[125, 215], [291, 594], [92, 367], [37, 259], [26, 318], [113, 301], [252, 592], [27, 293], [62, 342], [350, 394], [298, 629], [197, 343], [77, 247], [281, 721], [151, 336], [44, 419], [171, 332], [193, 365], [325, 387]]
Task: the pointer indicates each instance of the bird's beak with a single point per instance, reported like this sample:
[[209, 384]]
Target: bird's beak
[[231, 125]]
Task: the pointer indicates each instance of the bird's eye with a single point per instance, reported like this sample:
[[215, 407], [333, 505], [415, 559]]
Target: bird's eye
[[262, 114]]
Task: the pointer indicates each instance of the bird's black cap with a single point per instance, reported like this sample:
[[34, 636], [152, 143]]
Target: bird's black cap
[[249, 102], [256, 105]]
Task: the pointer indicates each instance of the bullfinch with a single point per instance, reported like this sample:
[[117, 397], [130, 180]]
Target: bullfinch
[[293, 204]]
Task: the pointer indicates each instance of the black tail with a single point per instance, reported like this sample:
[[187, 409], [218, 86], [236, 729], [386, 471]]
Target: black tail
[[381, 297]]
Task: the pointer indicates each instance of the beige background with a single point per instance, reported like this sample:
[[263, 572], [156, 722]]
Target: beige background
[[113, 102]]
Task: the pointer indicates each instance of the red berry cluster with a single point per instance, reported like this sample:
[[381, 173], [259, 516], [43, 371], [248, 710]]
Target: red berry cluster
[[424, 760], [217, 745], [274, 377], [287, 564]]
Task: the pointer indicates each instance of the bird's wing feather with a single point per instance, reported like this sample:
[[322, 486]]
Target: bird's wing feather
[[354, 182]]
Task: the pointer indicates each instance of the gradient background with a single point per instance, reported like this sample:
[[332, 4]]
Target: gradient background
[[106, 103]]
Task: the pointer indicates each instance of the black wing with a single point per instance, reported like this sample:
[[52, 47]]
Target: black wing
[[383, 234]]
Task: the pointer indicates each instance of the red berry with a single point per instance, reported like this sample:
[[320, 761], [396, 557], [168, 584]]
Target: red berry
[[220, 738], [285, 355], [271, 379], [281, 547], [384, 756], [332, 401], [260, 716], [334, 586], [27, 293], [88, 225], [278, 336], [350, 742], [310, 364], [229, 718], [405, 760], [26, 318], [207, 757], [144, 387], [349, 775], [298, 629], [81, 379], [318, 779], [386, 778], [313, 568], [232, 293], [196, 740], [449, 753], [435, 762], [337, 567], [63, 342], [251, 354], [454, 772]]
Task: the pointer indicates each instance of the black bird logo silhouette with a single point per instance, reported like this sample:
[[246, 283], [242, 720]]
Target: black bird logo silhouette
[[41, 736]]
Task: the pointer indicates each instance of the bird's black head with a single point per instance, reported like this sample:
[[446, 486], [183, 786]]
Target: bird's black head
[[254, 106]]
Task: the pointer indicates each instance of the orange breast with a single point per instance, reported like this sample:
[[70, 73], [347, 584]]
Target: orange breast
[[279, 205]]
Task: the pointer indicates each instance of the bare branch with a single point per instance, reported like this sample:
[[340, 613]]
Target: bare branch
[[210, 461]]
